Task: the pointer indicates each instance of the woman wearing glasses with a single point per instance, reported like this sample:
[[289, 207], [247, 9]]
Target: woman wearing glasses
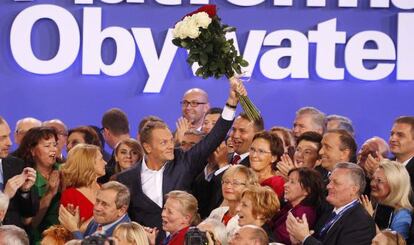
[[391, 189], [265, 151], [234, 181]]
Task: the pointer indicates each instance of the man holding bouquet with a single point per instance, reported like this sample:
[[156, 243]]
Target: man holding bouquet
[[164, 168]]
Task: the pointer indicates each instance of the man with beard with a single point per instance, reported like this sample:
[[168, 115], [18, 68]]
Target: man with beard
[[194, 106]]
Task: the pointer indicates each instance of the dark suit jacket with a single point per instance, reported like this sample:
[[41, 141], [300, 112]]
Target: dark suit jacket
[[109, 169], [410, 169], [179, 174], [93, 226], [19, 207], [355, 227]]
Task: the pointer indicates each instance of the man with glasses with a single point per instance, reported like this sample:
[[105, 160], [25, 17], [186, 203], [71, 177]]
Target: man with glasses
[[194, 106]]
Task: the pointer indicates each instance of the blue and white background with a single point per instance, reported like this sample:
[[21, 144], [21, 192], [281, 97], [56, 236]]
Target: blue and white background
[[74, 59]]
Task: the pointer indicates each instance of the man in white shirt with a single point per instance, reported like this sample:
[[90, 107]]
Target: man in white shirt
[[165, 168]]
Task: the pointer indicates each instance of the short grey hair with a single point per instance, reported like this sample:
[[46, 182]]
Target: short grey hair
[[219, 230], [356, 173], [4, 202], [13, 235], [318, 117], [344, 122], [123, 195]]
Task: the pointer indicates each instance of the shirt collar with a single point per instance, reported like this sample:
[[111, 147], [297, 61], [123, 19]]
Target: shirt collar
[[338, 210], [406, 161], [108, 226], [145, 168], [242, 156]]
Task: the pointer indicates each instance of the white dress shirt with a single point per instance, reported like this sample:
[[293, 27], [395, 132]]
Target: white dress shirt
[[151, 181]]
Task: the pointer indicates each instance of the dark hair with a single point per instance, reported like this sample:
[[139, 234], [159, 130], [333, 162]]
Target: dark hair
[[312, 137], [89, 135], [311, 181], [146, 119], [276, 145], [214, 110], [407, 120], [146, 132], [30, 141], [258, 123], [131, 143], [347, 142], [116, 121]]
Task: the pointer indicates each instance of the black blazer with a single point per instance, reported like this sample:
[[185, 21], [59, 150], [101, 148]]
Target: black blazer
[[179, 174], [355, 227], [19, 207], [410, 169]]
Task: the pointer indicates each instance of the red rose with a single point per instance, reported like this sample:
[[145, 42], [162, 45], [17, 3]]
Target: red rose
[[210, 9]]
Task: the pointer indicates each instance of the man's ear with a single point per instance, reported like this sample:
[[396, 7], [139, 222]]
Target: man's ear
[[147, 148]]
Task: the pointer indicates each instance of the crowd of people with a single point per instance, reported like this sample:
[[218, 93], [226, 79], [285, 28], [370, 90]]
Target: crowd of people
[[218, 178]]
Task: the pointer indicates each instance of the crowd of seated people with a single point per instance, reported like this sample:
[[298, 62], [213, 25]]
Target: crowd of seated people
[[217, 177]]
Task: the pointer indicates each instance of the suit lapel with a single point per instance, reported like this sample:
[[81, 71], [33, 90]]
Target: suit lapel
[[338, 224]]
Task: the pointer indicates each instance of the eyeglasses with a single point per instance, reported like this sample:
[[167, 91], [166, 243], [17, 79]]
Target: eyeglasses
[[101, 130], [259, 152], [378, 181], [233, 183], [185, 103]]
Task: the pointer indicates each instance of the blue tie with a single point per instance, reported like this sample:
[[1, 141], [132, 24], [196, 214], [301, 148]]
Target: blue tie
[[327, 225]]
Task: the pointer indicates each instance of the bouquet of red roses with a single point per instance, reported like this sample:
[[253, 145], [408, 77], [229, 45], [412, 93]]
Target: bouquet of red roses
[[202, 33]]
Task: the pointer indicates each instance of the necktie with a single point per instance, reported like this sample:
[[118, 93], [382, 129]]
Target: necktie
[[235, 160], [327, 225], [99, 229], [167, 240]]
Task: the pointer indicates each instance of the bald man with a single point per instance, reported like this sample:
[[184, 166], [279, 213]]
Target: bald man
[[22, 126], [194, 106]]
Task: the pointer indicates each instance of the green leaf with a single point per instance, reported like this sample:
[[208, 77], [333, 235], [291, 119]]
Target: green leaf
[[177, 42], [203, 59], [184, 44], [244, 63]]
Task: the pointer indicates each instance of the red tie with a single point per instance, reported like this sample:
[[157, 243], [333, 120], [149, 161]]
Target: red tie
[[235, 160], [99, 229]]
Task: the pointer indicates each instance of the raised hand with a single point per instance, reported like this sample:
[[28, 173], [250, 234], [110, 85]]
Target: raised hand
[[151, 234], [54, 182], [364, 200], [70, 221], [30, 178], [13, 184], [236, 87], [285, 165], [298, 228], [183, 125]]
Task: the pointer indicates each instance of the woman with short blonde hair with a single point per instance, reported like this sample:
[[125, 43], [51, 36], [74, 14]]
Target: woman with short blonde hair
[[257, 206], [130, 233], [83, 166]]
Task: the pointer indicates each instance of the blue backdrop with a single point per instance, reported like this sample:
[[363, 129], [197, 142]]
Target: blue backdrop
[[80, 99]]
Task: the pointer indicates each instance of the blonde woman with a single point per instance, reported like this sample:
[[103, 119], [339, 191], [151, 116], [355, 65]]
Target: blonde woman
[[80, 172], [391, 189], [234, 181], [130, 234], [178, 214]]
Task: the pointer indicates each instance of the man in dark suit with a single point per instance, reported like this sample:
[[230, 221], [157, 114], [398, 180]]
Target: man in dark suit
[[110, 209], [115, 127], [16, 181], [164, 168], [401, 143], [241, 137], [348, 223]]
